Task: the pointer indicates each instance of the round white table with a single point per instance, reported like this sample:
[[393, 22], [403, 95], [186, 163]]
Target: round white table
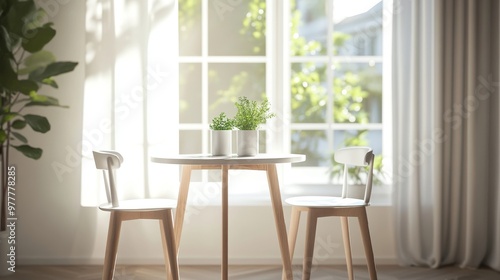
[[264, 162]]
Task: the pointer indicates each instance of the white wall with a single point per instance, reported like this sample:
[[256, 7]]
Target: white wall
[[54, 228]]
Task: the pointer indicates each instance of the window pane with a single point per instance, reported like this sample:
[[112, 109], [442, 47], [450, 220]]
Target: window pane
[[309, 25], [237, 28], [309, 94], [190, 93], [228, 81], [313, 144], [191, 142], [358, 27], [371, 138], [358, 93], [190, 28]]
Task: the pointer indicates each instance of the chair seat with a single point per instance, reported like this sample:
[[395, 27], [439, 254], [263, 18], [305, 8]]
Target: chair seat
[[325, 201], [149, 204]]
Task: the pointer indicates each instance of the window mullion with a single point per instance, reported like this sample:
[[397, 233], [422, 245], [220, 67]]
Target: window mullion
[[204, 84], [337, 58], [387, 86], [330, 74], [278, 77]]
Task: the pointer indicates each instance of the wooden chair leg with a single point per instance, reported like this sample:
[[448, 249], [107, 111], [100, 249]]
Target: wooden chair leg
[[115, 222], [292, 233], [312, 221], [169, 248], [365, 233], [347, 246]]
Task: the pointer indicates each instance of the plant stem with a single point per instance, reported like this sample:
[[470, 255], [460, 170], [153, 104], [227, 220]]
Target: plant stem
[[4, 163]]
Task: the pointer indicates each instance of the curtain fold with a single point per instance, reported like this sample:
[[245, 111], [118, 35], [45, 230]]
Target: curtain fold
[[446, 126], [131, 94]]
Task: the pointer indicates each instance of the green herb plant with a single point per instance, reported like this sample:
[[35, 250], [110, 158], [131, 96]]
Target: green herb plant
[[222, 122], [250, 114]]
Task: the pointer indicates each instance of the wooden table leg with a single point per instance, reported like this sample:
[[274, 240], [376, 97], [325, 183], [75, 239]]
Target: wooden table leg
[[274, 189], [181, 204], [224, 268]]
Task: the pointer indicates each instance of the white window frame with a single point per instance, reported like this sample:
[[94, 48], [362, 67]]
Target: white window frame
[[252, 190]]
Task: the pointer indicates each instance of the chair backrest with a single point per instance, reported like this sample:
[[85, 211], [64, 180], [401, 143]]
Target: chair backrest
[[108, 162], [356, 156]]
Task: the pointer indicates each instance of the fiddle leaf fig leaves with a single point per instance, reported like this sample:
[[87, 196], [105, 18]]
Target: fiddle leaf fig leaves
[[37, 123], [42, 100], [28, 151], [53, 69], [25, 67], [38, 38], [18, 124], [20, 137]]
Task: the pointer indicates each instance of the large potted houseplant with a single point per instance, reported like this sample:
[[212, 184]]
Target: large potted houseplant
[[221, 129], [249, 116], [25, 68]]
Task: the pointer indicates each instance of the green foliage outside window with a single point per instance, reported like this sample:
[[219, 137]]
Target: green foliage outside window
[[309, 95]]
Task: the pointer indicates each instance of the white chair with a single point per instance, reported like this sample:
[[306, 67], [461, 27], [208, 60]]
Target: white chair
[[344, 207], [157, 209]]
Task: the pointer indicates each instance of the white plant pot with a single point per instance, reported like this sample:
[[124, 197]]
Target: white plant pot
[[248, 143], [221, 142]]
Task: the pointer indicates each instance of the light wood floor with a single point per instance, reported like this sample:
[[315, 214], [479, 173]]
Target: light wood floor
[[247, 273]]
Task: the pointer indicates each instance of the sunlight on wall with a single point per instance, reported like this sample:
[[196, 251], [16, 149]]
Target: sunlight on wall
[[131, 95]]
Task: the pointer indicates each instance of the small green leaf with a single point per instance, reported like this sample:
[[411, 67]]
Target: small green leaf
[[8, 117], [42, 100], [5, 44], [37, 123], [28, 151], [20, 137], [26, 86], [34, 96], [53, 69], [37, 60], [51, 82], [8, 78], [38, 38], [3, 136], [18, 124], [19, 10]]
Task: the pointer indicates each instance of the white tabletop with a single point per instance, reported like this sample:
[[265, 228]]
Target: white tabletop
[[201, 159]]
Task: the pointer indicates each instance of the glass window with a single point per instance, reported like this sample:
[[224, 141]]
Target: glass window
[[236, 28], [190, 92], [336, 98], [327, 76]]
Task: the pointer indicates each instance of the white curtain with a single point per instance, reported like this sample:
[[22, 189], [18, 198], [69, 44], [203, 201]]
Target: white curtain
[[446, 132], [131, 94]]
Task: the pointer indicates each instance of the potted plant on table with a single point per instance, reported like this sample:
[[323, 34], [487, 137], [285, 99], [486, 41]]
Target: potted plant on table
[[25, 67], [221, 129], [249, 116]]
